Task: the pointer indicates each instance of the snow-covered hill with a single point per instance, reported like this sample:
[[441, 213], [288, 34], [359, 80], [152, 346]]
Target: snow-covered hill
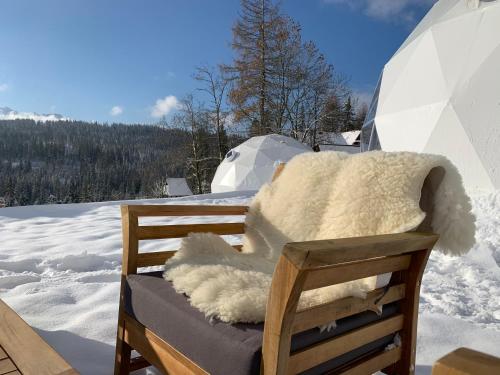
[[59, 269], [7, 113]]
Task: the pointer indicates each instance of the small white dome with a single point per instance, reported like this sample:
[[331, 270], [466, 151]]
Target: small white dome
[[252, 164]]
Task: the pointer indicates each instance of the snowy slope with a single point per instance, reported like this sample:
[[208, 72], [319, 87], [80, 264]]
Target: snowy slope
[[59, 269], [7, 113]]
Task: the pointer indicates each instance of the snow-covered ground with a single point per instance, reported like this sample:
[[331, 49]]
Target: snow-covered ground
[[59, 269]]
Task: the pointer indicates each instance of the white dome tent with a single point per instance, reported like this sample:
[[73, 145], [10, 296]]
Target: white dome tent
[[440, 92], [252, 163]]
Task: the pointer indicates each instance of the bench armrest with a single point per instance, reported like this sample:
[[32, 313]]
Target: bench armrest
[[313, 254]]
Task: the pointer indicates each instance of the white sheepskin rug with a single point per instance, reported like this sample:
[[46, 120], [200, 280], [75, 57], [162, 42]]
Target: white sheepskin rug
[[323, 195]]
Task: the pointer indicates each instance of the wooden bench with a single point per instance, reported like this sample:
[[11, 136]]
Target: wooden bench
[[465, 361], [23, 351]]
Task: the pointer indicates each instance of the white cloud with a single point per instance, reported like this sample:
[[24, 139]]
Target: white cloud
[[116, 110], [4, 87], [164, 106], [388, 10]]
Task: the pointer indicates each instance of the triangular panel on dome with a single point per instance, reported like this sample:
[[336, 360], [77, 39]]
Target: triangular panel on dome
[[375, 140], [485, 44], [395, 68], [478, 108], [427, 85], [454, 39], [229, 176], [409, 130], [461, 152], [368, 124], [439, 9]]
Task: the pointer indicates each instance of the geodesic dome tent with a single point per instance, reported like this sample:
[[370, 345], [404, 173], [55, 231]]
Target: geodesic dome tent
[[440, 92], [252, 163]]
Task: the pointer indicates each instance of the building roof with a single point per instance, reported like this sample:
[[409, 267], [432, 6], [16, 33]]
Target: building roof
[[351, 137], [341, 139], [177, 187]]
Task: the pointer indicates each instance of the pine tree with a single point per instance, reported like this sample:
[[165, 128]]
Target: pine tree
[[348, 114], [332, 116], [360, 117], [253, 35]]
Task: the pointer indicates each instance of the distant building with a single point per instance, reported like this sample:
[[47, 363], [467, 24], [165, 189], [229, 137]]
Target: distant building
[[346, 142], [177, 187]]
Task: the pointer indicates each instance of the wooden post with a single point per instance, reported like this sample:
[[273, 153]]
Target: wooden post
[[130, 224], [412, 278], [281, 306]]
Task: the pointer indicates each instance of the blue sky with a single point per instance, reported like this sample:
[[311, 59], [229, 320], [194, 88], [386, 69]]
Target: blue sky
[[114, 60]]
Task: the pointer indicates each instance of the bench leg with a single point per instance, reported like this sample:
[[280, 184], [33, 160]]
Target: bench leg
[[123, 350], [390, 370]]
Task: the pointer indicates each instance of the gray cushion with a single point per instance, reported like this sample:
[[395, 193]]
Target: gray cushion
[[218, 347]]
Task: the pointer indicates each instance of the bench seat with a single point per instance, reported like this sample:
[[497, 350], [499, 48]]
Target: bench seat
[[234, 348]]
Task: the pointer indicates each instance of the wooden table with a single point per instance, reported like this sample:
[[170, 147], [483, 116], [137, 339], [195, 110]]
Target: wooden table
[[23, 351]]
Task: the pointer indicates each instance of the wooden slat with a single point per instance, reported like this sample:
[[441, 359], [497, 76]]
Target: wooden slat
[[317, 354], [186, 210], [321, 277], [158, 352], [6, 366], [313, 254], [158, 258], [2, 354], [375, 363], [465, 361], [156, 232], [27, 350], [323, 314]]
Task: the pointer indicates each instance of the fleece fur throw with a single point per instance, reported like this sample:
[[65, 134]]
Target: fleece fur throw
[[318, 196]]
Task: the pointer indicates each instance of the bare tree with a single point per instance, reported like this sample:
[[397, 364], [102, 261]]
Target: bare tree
[[159, 188], [315, 86], [215, 85], [287, 47], [280, 84], [200, 161], [252, 33]]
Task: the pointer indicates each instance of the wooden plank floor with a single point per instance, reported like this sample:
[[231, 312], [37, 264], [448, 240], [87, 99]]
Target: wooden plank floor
[[24, 352], [7, 366]]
